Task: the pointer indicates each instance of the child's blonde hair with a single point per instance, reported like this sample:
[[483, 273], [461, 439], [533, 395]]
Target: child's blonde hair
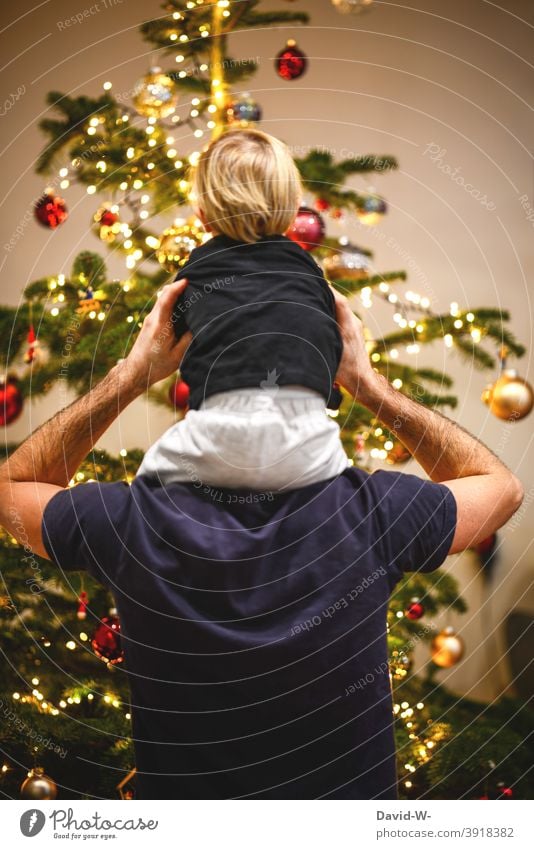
[[246, 185]]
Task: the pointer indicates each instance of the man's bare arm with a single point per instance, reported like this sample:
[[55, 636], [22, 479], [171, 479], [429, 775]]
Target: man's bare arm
[[47, 460], [487, 494]]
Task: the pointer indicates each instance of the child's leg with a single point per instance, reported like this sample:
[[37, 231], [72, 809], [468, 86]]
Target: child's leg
[[180, 455]]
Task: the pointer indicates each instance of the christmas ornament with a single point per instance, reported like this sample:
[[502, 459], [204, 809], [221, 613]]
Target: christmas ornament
[[107, 222], [321, 205], [486, 545], [510, 397], [351, 7], [347, 264], [179, 394], [307, 229], [447, 648], [243, 110], [291, 62], [33, 345], [372, 209], [504, 791], [499, 791], [11, 401], [155, 95], [414, 610], [106, 640], [336, 214], [38, 786], [88, 303], [82, 605], [177, 242], [487, 550], [50, 210], [397, 454]]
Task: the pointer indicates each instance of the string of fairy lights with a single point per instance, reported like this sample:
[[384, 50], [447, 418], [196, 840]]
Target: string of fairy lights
[[161, 103], [150, 157]]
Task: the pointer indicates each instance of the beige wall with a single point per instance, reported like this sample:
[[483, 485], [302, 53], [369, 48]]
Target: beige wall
[[405, 76]]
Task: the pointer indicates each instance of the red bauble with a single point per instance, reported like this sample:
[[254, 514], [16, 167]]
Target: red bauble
[[307, 229], [11, 401], [106, 641], [108, 218], [414, 610], [179, 394], [504, 791], [82, 606], [291, 62], [50, 210], [486, 545], [321, 205]]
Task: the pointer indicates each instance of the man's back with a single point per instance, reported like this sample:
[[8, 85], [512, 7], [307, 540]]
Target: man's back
[[246, 667]]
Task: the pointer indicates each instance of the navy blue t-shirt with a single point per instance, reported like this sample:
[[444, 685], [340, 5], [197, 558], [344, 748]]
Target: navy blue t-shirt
[[246, 618]]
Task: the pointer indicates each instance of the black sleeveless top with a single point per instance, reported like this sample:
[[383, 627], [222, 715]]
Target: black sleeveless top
[[261, 314]]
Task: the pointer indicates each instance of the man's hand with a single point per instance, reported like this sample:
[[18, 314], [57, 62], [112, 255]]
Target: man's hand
[[47, 460], [156, 353], [355, 372]]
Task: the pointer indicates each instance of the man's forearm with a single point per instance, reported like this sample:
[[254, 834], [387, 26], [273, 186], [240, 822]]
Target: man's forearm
[[54, 451], [486, 493], [443, 448]]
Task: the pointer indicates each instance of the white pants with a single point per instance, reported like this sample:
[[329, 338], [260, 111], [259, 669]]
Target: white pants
[[270, 439]]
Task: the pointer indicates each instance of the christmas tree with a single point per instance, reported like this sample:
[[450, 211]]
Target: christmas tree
[[64, 694]]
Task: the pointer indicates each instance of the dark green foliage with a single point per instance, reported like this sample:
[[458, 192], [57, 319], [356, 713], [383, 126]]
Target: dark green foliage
[[483, 748], [75, 113], [325, 177], [37, 618], [38, 605], [349, 287]]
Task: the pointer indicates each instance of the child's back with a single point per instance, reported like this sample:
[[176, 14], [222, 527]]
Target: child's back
[[266, 346], [258, 312]]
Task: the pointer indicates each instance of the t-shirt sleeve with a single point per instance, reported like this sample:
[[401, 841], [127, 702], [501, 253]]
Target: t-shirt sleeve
[[82, 526], [416, 520]]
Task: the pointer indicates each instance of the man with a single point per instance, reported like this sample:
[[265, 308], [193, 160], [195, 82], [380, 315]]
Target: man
[[248, 617]]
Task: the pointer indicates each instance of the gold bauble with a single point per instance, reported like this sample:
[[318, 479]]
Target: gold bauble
[[38, 786], [177, 242], [447, 648], [350, 263], [510, 397], [155, 95]]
